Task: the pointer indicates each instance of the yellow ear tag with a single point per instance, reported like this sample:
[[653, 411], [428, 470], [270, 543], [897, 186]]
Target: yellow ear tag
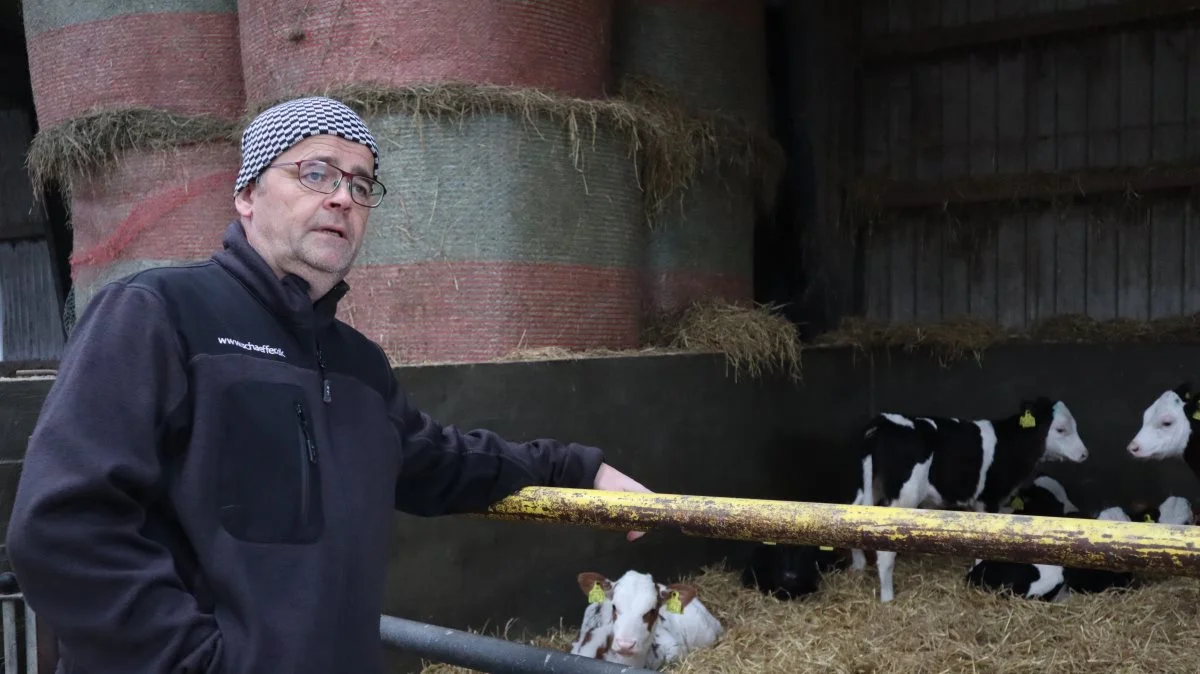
[[673, 604], [1018, 503], [826, 548], [596, 594], [1149, 518], [1027, 420], [1196, 414]]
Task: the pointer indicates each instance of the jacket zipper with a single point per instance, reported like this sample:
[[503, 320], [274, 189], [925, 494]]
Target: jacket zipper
[[308, 458], [325, 393]]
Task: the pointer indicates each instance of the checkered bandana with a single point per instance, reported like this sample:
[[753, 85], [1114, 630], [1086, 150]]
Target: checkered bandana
[[282, 126]]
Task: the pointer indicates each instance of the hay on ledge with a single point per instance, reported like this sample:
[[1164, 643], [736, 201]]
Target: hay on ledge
[[671, 148], [936, 624], [82, 147], [544, 353], [956, 338], [752, 337]]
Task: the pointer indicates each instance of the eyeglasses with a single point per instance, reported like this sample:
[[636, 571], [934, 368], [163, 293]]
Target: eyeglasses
[[321, 177]]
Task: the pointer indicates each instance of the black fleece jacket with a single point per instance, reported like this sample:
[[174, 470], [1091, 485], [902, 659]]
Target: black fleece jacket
[[211, 483]]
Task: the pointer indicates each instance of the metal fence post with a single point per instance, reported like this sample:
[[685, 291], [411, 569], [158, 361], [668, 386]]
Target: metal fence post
[[488, 654]]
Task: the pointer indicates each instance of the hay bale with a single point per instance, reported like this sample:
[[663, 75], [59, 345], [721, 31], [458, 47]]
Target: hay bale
[[937, 624], [556, 45], [151, 209], [711, 51], [668, 146], [181, 56], [465, 261], [87, 146], [751, 336]]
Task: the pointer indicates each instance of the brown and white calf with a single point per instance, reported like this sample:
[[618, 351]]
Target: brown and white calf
[[637, 621]]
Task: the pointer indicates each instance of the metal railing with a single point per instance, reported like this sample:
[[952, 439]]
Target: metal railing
[[488, 654], [12, 604], [1086, 543]]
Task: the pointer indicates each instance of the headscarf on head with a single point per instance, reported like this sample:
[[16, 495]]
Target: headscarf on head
[[281, 126]]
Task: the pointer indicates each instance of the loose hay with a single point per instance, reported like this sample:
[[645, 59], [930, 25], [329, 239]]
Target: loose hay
[[84, 146], [938, 624], [670, 146], [956, 338], [755, 338]]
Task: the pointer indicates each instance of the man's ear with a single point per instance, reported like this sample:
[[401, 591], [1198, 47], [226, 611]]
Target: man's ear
[[244, 201]]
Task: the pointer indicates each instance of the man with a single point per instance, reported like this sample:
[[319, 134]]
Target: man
[[211, 482]]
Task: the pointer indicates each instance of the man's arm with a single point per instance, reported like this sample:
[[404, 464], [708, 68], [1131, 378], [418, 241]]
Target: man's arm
[[111, 594], [448, 471]]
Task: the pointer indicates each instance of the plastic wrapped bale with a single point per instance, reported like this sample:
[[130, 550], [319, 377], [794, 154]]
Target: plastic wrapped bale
[[150, 209], [708, 57], [294, 46], [710, 52], [176, 55], [496, 237]]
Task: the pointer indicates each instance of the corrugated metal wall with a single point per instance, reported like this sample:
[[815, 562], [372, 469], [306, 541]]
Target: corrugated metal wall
[[1085, 100]]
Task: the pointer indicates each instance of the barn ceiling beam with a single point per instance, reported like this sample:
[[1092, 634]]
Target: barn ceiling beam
[[891, 194], [1082, 543], [910, 45]]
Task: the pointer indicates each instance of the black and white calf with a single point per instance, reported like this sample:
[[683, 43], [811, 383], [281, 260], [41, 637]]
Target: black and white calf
[[790, 571], [1169, 428], [935, 462], [1172, 510], [1046, 497]]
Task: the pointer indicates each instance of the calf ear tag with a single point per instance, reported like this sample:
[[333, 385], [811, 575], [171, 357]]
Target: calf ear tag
[[596, 594], [1027, 420], [1017, 503], [1196, 414], [827, 548], [673, 604]]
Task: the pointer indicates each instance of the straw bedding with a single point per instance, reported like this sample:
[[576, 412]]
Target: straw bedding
[[937, 624]]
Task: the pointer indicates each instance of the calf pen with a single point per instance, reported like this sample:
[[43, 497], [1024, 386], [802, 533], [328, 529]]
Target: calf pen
[[848, 626], [937, 623]]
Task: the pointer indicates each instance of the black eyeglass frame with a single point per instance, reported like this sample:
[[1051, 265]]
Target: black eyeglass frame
[[341, 175]]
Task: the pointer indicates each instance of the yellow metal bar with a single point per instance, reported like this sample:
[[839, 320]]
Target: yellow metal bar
[[1088, 543]]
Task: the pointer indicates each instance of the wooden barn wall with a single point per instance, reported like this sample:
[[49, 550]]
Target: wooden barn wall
[[1125, 97], [30, 319], [20, 217]]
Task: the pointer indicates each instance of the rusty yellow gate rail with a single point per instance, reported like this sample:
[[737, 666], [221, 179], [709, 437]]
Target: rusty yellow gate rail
[[1089, 543]]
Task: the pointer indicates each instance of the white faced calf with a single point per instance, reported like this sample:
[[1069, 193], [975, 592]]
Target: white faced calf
[[940, 462], [1167, 426], [640, 622]]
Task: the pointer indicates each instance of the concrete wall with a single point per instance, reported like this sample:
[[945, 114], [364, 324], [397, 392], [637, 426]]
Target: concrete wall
[[682, 424]]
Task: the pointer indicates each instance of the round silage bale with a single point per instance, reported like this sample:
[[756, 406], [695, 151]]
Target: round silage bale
[[493, 240], [150, 209], [708, 58], [703, 251], [181, 56], [297, 46], [710, 53]]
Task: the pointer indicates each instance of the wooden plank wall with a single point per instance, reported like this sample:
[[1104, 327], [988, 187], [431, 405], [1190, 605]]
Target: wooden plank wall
[[19, 217], [30, 320], [1120, 98]]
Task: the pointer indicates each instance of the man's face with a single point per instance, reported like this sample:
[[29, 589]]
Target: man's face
[[298, 230]]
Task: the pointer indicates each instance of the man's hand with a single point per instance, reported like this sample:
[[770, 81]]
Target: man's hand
[[611, 479]]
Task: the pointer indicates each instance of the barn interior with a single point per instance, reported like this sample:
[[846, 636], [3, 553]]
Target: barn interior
[[983, 201]]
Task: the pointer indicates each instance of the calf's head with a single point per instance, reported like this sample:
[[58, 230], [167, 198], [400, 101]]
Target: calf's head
[[636, 600], [1063, 442], [1166, 425]]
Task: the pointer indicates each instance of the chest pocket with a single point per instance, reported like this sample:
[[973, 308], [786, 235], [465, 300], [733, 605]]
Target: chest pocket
[[269, 465]]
